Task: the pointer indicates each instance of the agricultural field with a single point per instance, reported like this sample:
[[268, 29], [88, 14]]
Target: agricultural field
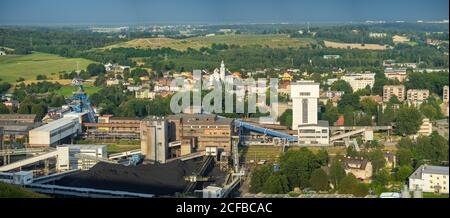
[[29, 66], [331, 44], [271, 41]]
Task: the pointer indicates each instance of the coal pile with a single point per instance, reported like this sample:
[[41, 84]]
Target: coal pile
[[164, 179]]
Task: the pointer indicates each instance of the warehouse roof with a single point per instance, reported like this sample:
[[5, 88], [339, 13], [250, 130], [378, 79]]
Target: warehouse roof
[[54, 124]]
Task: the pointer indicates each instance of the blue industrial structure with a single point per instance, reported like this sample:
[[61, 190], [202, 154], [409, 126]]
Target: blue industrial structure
[[80, 101], [240, 124]]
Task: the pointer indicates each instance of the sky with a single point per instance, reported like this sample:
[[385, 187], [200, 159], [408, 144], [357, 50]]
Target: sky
[[48, 12]]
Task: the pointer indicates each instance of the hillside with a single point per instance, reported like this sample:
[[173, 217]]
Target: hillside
[[28, 66], [272, 41]]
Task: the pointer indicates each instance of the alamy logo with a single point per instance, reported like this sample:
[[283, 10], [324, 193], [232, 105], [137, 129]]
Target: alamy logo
[[229, 95]]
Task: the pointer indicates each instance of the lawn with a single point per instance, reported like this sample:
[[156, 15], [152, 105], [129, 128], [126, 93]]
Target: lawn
[[12, 191], [433, 195], [28, 66], [267, 40]]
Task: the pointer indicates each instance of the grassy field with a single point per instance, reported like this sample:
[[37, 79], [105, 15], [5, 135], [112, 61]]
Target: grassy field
[[433, 195], [272, 41], [28, 66], [355, 46], [67, 90], [11, 191]]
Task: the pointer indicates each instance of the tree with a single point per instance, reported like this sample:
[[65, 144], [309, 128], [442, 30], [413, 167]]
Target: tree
[[381, 178], [331, 113], [369, 106], [387, 117], [322, 157], [276, 184], [41, 77], [96, 69], [319, 180], [3, 109], [24, 108], [378, 160], [342, 85], [349, 100], [259, 177], [286, 118], [297, 166], [348, 184], [39, 110], [404, 157], [337, 173], [394, 100], [403, 173], [408, 120]]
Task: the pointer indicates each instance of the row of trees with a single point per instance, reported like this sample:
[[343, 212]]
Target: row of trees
[[304, 169]]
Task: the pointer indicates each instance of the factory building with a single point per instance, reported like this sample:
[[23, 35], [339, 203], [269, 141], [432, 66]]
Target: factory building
[[55, 133], [109, 127], [311, 131], [305, 95], [317, 135], [95, 151], [154, 139], [198, 131], [17, 124]]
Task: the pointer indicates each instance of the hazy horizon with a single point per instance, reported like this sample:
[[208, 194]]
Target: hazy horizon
[[116, 12]]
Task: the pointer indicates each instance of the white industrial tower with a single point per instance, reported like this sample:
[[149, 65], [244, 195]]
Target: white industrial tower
[[305, 95]]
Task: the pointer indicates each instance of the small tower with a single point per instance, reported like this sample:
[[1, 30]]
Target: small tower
[[222, 71]]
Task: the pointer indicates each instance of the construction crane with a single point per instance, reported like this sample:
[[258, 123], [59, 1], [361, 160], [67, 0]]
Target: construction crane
[[80, 101]]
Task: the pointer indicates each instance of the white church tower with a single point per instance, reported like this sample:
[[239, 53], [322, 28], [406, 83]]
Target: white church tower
[[222, 71]]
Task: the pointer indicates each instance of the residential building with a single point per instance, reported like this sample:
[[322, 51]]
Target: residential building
[[426, 128], [396, 74], [328, 57], [391, 160], [145, 94], [430, 179], [331, 94], [360, 167], [286, 77], [390, 91], [360, 81], [112, 82], [417, 96], [305, 95], [376, 98], [445, 96]]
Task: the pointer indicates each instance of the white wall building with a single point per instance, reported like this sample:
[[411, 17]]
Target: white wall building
[[55, 132], [317, 135], [430, 179], [360, 80], [96, 151], [305, 95]]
